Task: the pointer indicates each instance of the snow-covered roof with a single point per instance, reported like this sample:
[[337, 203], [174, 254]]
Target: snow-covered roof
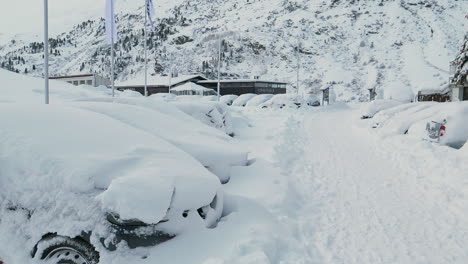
[[190, 86], [240, 80], [158, 80], [429, 91]]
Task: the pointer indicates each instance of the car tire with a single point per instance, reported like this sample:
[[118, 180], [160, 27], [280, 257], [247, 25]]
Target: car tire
[[60, 249]]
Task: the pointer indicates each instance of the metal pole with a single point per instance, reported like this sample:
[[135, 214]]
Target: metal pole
[[146, 49], [112, 53], [219, 67], [298, 63], [46, 50]]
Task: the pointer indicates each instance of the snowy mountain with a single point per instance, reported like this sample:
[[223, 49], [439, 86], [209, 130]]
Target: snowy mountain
[[399, 47]]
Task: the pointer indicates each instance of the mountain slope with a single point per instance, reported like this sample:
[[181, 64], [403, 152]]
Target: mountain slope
[[399, 47]]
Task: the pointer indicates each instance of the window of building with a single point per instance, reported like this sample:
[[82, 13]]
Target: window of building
[[70, 82], [89, 82], [82, 82], [75, 82]]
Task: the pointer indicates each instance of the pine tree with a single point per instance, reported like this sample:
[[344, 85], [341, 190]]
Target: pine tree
[[460, 64]]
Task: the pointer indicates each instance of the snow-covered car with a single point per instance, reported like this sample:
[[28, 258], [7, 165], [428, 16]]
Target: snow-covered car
[[312, 100], [368, 110], [243, 99], [445, 123], [228, 99], [259, 99], [165, 96], [211, 98], [76, 183], [182, 123], [284, 100], [210, 113]]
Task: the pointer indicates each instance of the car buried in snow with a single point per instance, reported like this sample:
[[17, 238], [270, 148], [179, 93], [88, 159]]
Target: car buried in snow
[[77, 184], [201, 129], [281, 101]]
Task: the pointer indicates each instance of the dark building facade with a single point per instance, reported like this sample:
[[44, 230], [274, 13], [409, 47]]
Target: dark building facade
[[239, 87], [434, 96], [160, 85]]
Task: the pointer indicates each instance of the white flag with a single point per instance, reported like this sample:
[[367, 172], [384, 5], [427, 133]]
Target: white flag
[[150, 11], [111, 27]]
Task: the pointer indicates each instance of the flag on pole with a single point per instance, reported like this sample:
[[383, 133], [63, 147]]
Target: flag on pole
[[150, 11], [111, 27]]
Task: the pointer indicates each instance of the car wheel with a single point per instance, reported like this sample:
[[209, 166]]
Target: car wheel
[[64, 250]]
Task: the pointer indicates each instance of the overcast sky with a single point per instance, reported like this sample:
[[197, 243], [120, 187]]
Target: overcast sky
[[26, 16]]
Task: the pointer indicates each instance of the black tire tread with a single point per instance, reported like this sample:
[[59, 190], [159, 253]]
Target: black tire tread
[[79, 244]]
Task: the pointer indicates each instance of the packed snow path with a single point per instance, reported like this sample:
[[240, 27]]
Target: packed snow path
[[359, 202]]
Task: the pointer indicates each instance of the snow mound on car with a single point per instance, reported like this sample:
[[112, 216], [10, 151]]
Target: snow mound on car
[[65, 153], [368, 110], [209, 146]]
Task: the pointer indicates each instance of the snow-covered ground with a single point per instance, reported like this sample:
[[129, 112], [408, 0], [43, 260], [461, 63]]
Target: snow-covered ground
[[320, 186]]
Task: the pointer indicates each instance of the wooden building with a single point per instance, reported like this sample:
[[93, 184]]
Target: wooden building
[[244, 86]]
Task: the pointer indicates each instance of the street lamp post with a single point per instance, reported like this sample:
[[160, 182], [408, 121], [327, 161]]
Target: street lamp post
[[219, 37], [46, 51], [146, 48], [219, 68]]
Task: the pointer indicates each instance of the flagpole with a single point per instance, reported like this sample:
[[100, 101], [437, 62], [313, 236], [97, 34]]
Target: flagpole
[[46, 50], [112, 52], [146, 49], [219, 67]]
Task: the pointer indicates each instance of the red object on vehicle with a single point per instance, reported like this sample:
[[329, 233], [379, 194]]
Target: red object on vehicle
[[442, 133]]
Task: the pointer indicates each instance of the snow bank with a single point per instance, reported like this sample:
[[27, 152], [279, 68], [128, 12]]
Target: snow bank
[[19, 88]]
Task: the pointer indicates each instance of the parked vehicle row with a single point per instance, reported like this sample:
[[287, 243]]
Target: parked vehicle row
[[443, 123], [277, 101], [91, 174]]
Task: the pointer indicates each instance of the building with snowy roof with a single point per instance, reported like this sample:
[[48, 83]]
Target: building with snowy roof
[[191, 88], [84, 79], [157, 84], [245, 86]]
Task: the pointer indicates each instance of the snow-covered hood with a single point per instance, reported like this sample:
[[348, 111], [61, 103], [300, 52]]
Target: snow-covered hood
[[209, 146], [128, 171]]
